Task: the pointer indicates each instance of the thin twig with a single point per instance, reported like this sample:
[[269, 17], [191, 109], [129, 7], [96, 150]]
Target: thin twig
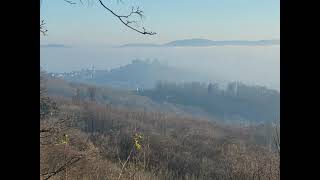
[[123, 19], [43, 30], [124, 164], [70, 2], [68, 163]]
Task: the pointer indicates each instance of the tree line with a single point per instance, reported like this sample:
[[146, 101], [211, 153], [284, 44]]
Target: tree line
[[235, 101]]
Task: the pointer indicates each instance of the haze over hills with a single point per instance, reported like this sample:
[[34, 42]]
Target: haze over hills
[[249, 64], [237, 103], [137, 74], [206, 42], [155, 86]]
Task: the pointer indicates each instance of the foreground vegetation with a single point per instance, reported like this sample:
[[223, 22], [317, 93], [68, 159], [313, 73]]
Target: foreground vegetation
[[83, 139]]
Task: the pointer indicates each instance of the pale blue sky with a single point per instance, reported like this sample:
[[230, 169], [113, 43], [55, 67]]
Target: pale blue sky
[[171, 19]]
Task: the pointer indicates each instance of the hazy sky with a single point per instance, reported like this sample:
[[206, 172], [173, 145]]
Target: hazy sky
[[171, 19], [89, 30]]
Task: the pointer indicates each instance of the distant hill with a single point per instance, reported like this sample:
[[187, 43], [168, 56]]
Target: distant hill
[[138, 74], [57, 87], [206, 42], [238, 102], [152, 86]]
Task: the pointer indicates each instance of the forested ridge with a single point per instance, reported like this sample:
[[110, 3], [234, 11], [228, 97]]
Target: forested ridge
[[236, 102], [153, 86]]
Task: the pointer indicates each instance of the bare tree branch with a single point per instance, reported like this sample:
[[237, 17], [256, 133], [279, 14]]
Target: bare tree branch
[[61, 168], [126, 22], [43, 30], [71, 2], [125, 163], [276, 137], [44, 130], [123, 18]]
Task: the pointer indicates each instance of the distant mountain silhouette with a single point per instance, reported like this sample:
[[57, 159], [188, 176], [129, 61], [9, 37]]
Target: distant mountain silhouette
[[206, 42]]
